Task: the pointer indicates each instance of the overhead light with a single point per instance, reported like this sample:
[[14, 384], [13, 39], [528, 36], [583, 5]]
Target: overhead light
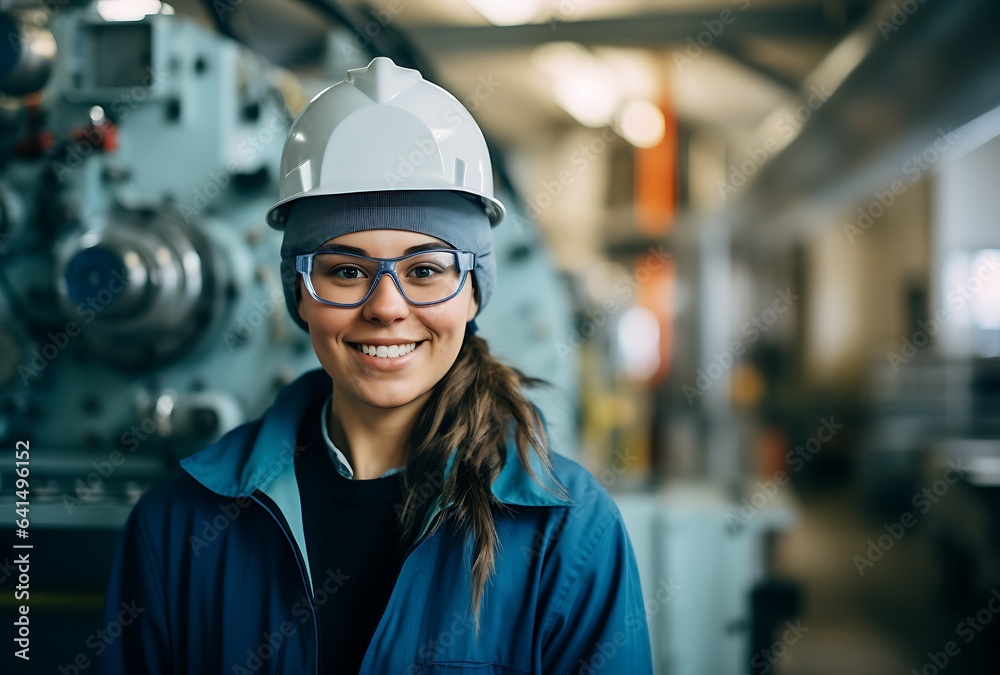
[[553, 57], [637, 71], [582, 85], [587, 95], [639, 342], [131, 10], [984, 286], [506, 12], [641, 123]]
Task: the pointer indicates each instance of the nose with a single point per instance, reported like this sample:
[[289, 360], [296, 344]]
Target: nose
[[386, 303]]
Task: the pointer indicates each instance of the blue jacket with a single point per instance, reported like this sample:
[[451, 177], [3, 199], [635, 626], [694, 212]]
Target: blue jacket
[[211, 574]]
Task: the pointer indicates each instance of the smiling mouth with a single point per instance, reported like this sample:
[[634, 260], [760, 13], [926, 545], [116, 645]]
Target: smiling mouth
[[386, 352]]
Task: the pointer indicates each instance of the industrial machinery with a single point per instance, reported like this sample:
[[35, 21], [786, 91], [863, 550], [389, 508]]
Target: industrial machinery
[[141, 314], [140, 311]]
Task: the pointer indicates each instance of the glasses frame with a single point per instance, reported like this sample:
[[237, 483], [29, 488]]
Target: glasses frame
[[304, 266]]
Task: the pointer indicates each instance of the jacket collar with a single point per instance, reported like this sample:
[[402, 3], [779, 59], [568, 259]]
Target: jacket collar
[[229, 468], [261, 456]]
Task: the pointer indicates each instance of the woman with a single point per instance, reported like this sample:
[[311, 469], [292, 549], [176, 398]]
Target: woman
[[397, 510]]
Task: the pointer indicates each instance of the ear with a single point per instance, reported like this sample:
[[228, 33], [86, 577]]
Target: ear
[[473, 303], [298, 299]]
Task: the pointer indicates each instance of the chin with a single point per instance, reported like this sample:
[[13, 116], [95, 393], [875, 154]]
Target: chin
[[390, 397]]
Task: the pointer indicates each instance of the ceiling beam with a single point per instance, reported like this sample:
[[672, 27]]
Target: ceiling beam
[[738, 52], [901, 99], [647, 30]]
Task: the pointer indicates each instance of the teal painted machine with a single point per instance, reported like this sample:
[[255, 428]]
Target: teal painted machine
[[141, 314]]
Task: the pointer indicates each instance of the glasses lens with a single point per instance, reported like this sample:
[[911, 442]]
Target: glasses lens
[[346, 279], [342, 277], [429, 276]]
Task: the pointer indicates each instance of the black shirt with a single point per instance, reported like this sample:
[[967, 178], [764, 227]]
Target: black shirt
[[352, 536]]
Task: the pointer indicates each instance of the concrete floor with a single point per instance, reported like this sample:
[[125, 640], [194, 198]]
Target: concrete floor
[[896, 617]]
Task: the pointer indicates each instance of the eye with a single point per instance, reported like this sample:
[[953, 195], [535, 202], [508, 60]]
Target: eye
[[424, 271], [346, 272]]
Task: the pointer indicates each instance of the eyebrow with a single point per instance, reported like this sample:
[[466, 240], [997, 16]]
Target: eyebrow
[[360, 251]]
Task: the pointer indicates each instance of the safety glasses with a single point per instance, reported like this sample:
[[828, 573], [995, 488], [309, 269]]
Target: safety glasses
[[341, 279]]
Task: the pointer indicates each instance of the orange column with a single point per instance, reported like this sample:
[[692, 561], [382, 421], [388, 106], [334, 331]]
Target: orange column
[[656, 181]]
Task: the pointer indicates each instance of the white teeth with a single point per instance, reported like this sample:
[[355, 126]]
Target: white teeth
[[390, 352]]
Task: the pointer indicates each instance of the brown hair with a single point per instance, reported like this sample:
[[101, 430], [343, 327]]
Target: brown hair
[[471, 409]]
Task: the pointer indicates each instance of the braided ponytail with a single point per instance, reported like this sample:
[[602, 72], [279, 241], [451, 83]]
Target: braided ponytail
[[471, 409]]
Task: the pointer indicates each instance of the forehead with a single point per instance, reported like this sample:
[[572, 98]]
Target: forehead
[[385, 243]]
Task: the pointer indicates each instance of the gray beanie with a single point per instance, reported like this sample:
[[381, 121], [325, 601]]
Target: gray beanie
[[450, 216]]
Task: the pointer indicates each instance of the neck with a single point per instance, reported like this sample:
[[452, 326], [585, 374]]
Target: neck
[[373, 439]]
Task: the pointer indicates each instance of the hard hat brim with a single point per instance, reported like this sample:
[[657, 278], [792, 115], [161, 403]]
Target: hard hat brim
[[277, 214]]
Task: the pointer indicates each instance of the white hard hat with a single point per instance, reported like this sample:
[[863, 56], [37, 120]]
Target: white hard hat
[[384, 128]]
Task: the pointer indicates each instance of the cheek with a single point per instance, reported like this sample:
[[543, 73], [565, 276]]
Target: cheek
[[325, 324], [447, 321], [454, 314]]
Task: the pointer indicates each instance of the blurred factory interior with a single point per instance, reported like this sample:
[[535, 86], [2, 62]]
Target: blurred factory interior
[[765, 245]]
